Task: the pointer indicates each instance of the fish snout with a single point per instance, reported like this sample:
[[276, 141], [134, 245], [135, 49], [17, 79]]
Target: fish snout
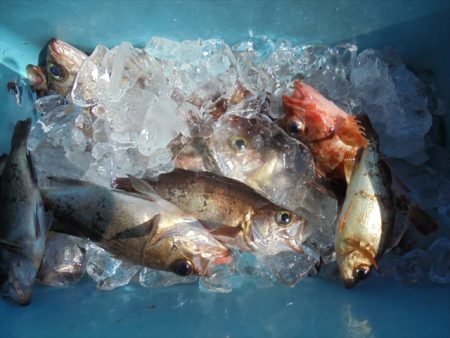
[[22, 295]]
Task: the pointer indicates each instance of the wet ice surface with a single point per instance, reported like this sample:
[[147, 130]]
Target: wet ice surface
[[128, 104], [64, 260]]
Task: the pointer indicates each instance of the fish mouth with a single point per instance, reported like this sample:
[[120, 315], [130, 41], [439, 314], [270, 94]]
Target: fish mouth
[[16, 293], [34, 75], [223, 258]]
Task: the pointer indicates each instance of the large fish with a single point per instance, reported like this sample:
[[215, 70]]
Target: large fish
[[234, 213], [23, 223], [142, 228], [63, 63], [364, 224]]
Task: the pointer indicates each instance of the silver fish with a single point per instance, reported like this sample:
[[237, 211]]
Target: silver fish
[[365, 220], [23, 222], [141, 228]]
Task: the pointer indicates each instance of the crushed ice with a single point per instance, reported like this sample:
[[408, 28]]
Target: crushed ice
[[128, 104]]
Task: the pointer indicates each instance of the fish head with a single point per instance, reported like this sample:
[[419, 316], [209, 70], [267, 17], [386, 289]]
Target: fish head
[[239, 142], [63, 63], [17, 278], [355, 266], [309, 116], [186, 248], [279, 229]]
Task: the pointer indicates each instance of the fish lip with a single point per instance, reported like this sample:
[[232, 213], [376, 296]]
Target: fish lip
[[349, 283], [35, 75], [18, 295]]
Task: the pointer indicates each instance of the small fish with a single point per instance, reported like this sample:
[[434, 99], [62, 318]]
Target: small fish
[[141, 228], [365, 221], [63, 63], [23, 220], [333, 136], [234, 213]]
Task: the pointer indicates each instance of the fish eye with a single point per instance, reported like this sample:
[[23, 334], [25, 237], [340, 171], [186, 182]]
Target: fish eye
[[361, 272], [182, 267], [284, 217], [295, 128], [57, 72], [238, 142]]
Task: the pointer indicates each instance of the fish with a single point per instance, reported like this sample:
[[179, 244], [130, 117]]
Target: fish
[[3, 159], [141, 228], [257, 152], [235, 214], [62, 66], [365, 221], [333, 136], [63, 63], [23, 220]]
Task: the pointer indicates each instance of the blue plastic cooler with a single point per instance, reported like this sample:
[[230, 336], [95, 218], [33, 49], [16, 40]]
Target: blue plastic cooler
[[419, 30]]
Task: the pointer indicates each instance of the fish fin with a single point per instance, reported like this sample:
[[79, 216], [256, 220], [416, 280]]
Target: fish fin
[[226, 231], [351, 131], [10, 246], [349, 165], [43, 220], [147, 228], [32, 168], [122, 183], [20, 135], [144, 188], [66, 181]]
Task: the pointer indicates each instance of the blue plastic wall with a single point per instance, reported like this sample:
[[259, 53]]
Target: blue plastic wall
[[420, 30]]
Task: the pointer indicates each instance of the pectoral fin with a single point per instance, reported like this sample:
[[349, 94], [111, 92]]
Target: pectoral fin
[[351, 132], [122, 183], [145, 229], [144, 188], [226, 231]]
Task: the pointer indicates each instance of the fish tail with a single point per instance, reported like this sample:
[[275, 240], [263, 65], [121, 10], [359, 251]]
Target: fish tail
[[20, 135]]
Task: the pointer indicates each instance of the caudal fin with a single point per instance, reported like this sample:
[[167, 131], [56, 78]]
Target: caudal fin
[[20, 135]]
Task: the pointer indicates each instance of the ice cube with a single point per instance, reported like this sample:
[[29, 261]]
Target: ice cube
[[392, 96], [107, 271], [413, 268], [92, 79], [289, 267], [153, 278], [439, 256], [219, 281], [122, 276], [63, 262], [48, 103]]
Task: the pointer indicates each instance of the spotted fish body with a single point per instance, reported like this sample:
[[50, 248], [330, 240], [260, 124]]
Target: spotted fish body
[[365, 220], [234, 213], [143, 229], [23, 223]]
